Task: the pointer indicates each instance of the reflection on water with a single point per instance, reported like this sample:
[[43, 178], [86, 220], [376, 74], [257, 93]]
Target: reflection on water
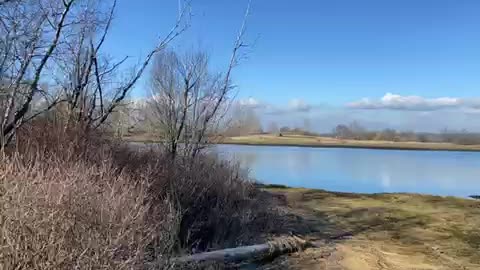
[[361, 170]]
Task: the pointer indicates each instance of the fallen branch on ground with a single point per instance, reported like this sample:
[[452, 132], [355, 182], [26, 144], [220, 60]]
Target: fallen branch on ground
[[271, 249]]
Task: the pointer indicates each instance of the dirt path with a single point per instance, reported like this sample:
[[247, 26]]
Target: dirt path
[[384, 231]]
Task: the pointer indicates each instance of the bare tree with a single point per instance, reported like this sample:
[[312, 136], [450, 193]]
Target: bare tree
[[88, 90], [66, 36], [273, 128], [307, 125], [188, 100], [179, 88], [343, 132], [243, 120], [30, 34]]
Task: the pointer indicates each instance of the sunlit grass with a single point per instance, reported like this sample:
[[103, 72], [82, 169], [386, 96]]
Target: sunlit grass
[[428, 231]]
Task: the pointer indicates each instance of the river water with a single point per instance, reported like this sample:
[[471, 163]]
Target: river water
[[361, 170]]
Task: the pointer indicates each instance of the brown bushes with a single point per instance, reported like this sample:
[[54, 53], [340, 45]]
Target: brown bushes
[[218, 206], [58, 215], [71, 200]]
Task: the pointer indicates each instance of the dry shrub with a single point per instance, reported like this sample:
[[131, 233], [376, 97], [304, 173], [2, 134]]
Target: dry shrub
[[219, 206], [65, 204], [58, 215], [43, 139], [75, 200]]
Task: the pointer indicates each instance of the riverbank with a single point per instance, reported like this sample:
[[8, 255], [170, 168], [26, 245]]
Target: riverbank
[[325, 142], [380, 231]]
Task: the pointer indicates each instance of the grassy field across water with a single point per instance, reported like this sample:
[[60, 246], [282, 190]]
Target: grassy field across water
[[381, 231], [317, 141]]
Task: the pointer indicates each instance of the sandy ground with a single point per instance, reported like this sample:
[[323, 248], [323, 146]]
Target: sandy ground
[[384, 231]]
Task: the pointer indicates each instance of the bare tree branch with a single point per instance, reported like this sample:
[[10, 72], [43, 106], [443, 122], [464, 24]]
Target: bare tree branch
[[226, 87], [32, 87], [121, 93], [2, 2]]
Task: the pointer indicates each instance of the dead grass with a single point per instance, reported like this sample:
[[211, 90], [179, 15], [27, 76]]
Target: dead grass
[[387, 231]]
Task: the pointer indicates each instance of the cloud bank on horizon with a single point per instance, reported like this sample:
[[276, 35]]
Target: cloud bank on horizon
[[388, 102], [404, 112], [414, 103]]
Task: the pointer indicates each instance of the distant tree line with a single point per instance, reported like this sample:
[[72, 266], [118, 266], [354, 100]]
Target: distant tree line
[[242, 121], [285, 130], [354, 131]]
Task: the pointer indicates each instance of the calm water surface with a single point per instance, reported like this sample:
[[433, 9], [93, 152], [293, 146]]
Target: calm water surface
[[361, 170]]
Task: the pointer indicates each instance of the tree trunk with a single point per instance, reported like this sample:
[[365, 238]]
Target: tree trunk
[[248, 253]]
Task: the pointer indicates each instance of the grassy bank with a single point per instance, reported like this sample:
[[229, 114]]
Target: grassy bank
[[381, 231], [316, 141]]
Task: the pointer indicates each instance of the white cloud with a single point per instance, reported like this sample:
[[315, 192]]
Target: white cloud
[[293, 105], [410, 103], [415, 113], [251, 103], [298, 105]]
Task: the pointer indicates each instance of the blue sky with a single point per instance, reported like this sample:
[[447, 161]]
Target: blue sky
[[322, 59]]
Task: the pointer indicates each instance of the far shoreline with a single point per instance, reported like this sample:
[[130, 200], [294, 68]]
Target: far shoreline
[[348, 146], [329, 142], [326, 142]]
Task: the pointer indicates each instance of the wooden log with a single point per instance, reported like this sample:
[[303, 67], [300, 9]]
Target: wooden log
[[271, 249]]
